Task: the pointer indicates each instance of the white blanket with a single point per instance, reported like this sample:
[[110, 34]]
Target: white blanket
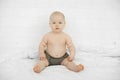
[[97, 67]]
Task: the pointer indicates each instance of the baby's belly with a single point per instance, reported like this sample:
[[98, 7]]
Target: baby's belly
[[56, 51]]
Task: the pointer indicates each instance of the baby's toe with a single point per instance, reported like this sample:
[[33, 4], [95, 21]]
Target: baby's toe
[[80, 67], [36, 69]]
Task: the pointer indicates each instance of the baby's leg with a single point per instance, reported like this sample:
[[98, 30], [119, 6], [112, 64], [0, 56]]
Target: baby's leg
[[72, 66], [40, 66]]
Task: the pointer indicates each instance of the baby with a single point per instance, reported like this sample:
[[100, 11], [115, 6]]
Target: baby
[[54, 44]]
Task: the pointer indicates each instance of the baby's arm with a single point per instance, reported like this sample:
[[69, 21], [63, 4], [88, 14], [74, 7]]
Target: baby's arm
[[42, 47], [71, 48]]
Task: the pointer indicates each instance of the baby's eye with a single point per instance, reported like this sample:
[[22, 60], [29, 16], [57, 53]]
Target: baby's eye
[[60, 22], [54, 23]]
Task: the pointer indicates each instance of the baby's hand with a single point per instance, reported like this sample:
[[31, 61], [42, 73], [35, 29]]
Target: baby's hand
[[42, 56], [70, 58]]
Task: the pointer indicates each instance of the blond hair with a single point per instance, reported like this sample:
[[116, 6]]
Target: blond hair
[[57, 13]]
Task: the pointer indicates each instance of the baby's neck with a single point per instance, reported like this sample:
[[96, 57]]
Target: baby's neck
[[56, 32]]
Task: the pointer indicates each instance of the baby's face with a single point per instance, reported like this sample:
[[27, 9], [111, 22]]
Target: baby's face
[[57, 23]]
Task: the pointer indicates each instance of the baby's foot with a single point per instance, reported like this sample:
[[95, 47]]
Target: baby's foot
[[80, 67], [36, 69]]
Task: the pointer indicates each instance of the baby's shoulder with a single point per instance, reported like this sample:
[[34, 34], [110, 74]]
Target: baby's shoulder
[[66, 35], [47, 34]]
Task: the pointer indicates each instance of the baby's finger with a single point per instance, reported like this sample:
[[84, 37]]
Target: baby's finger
[[70, 59], [43, 58]]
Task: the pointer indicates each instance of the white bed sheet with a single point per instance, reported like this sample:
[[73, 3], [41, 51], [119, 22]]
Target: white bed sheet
[[97, 67]]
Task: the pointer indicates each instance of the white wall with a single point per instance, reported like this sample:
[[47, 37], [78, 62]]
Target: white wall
[[91, 23]]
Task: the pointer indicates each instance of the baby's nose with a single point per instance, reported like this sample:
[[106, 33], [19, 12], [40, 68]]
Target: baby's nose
[[56, 26]]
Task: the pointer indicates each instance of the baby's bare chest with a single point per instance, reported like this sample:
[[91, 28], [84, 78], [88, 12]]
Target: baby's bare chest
[[56, 40]]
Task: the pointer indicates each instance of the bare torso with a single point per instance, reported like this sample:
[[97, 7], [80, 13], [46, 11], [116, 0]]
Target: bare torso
[[56, 45]]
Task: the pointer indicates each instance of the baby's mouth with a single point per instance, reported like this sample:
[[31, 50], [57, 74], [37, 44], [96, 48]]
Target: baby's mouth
[[56, 28]]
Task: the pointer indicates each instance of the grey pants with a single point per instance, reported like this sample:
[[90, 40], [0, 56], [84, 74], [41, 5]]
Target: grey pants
[[55, 61]]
